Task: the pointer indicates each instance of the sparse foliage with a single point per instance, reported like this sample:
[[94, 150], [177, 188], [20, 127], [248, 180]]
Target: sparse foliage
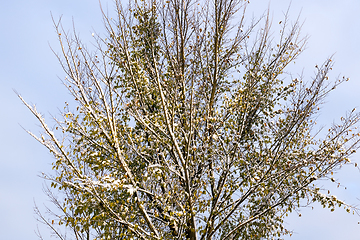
[[188, 127]]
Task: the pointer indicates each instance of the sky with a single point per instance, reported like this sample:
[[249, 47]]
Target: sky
[[28, 65]]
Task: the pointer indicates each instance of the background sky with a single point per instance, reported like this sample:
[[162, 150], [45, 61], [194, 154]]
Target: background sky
[[28, 65]]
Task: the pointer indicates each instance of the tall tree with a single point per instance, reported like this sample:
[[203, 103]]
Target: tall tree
[[187, 126]]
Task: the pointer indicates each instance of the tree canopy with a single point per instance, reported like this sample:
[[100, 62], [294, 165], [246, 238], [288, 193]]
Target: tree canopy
[[186, 125]]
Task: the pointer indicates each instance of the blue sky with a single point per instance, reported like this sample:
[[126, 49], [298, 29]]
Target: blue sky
[[28, 65]]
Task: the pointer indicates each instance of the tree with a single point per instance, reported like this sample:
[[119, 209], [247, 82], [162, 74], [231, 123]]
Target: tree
[[187, 126]]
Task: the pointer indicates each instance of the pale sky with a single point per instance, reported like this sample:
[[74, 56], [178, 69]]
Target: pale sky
[[28, 65]]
